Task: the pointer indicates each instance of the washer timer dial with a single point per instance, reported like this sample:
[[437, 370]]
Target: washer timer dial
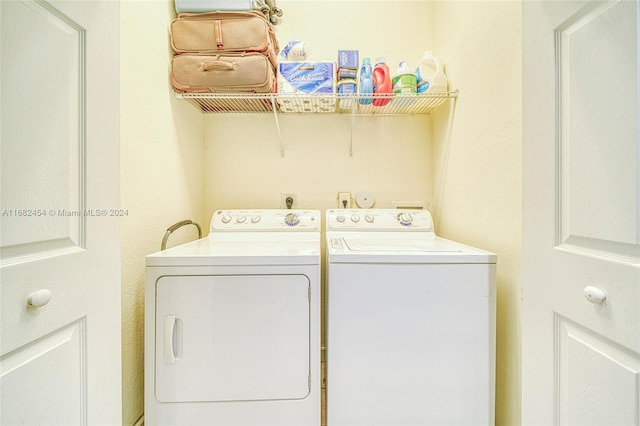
[[405, 218], [291, 219]]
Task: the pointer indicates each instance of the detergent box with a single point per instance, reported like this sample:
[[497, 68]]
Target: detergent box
[[307, 78], [348, 59]]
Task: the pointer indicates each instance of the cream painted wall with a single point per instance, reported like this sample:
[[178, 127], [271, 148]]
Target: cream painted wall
[[161, 172], [391, 158], [391, 154], [480, 203], [169, 173]]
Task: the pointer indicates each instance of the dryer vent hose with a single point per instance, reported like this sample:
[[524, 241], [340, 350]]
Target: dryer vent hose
[[174, 227]]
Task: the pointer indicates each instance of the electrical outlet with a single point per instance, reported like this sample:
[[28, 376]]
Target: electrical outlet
[[344, 200], [289, 200]]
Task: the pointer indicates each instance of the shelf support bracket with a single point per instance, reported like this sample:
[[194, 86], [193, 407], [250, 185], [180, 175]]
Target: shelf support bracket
[[353, 121], [275, 116], [441, 175]]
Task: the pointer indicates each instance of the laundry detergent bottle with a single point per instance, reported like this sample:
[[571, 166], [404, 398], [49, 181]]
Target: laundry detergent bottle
[[366, 81], [404, 80], [381, 83], [430, 74]]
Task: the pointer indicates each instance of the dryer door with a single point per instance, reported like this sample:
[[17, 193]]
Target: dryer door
[[232, 338]]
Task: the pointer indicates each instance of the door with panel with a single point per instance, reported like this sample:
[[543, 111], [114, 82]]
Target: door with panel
[[581, 267], [60, 245]]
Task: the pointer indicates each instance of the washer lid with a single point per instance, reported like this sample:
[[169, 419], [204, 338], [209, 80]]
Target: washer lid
[[369, 243], [389, 247]]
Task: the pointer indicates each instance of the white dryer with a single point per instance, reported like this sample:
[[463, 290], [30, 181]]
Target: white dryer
[[410, 323], [233, 323]]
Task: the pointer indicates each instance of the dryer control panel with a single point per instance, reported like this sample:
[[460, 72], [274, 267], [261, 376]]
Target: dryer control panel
[[379, 220], [267, 220]]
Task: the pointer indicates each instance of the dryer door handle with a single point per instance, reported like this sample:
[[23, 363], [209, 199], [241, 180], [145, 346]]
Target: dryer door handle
[[169, 326]]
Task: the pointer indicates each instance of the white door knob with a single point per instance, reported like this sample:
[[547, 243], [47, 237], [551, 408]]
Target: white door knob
[[39, 298], [594, 294]]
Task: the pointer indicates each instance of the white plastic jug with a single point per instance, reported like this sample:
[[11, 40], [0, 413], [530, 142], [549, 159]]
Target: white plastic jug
[[430, 74]]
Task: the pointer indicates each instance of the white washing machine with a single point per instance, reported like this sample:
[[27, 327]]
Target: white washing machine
[[233, 323], [410, 325]]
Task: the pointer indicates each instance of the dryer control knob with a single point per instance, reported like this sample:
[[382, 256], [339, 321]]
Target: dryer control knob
[[340, 218], [255, 219], [226, 218], [355, 218], [369, 218], [405, 219], [291, 219], [241, 219]]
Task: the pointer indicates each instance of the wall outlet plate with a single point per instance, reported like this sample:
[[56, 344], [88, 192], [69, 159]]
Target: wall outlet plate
[[344, 200]]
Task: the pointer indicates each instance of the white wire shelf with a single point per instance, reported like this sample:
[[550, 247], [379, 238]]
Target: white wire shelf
[[399, 104], [353, 105]]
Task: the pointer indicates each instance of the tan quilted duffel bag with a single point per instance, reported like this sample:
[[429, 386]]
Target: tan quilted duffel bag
[[232, 73], [223, 33]]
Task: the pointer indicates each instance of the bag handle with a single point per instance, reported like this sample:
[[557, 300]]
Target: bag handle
[[219, 66]]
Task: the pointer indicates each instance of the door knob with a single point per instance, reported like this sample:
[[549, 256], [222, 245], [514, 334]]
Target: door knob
[[39, 298], [594, 294]]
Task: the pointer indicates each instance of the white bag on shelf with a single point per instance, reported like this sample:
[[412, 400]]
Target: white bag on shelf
[[198, 6], [267, 7]]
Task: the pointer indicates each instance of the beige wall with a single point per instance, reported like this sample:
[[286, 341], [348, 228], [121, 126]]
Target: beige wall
[[161, 176], [177, 163], [391, 155], [480, 203]]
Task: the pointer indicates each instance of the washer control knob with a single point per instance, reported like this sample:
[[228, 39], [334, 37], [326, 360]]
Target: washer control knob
[[291, 219], [405, 218], [369, 218], [340, 218], [355, 218], [255, 219], [241, 219], [226, 218]]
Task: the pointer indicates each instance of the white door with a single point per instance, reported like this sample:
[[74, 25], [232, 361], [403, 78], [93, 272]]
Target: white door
[[581, 266], [60, 354]]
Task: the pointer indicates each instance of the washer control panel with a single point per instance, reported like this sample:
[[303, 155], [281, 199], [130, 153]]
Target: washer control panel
[[265, 220], [379, 220]]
